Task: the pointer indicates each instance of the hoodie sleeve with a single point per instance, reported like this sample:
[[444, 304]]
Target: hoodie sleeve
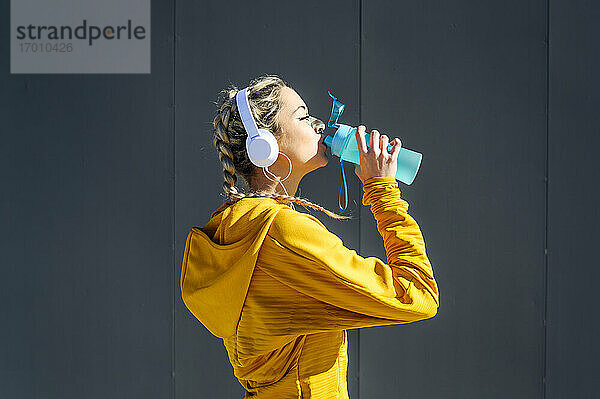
[[345, 289]]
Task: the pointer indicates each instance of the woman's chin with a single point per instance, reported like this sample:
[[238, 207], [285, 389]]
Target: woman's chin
[[321, 163], [325, 159]]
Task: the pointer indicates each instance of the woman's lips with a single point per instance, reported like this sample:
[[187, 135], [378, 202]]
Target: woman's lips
[[322, 141], [325, 148]]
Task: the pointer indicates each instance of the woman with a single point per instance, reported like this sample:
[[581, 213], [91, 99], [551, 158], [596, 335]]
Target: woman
[[274, 283]]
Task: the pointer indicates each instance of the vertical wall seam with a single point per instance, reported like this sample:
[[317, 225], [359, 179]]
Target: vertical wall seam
[[173, 245], [360, 44], [545, 349]]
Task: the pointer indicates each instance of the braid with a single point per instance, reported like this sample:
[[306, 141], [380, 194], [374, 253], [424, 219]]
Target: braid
[[222, 142], [230, 141], [302, 201]]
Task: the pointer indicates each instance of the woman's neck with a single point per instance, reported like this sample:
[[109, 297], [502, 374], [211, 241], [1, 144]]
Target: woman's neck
[[261, 183]]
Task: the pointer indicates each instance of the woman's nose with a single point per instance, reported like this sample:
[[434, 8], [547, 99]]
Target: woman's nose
[[317, 124]]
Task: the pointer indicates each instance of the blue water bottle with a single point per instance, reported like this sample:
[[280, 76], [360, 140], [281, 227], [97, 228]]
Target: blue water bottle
[[343, 144]]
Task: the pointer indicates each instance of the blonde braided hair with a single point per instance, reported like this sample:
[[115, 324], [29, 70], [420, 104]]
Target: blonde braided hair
[[230, 138]]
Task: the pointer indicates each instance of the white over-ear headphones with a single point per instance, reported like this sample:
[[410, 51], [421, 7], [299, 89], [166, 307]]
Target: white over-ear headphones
[[261, 145]]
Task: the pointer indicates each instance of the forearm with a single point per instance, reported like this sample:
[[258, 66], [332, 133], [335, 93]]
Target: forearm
[[403, 241]]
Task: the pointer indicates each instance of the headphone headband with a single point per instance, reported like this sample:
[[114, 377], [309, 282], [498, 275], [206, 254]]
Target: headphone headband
[[261, 144], [243, 105]]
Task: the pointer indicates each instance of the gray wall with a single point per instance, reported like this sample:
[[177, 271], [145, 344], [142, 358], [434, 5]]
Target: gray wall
[[104, 175], [573, 216]]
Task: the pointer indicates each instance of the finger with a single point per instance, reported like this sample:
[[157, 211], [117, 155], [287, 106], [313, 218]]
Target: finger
[[383, 144], [396, 149], [396, 141], [374, 142], [360, 139]]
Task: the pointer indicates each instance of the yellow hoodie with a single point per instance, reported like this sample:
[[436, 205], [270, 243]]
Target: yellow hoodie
[[281, 290]]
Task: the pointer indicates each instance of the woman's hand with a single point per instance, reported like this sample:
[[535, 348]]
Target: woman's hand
[[376, 160]]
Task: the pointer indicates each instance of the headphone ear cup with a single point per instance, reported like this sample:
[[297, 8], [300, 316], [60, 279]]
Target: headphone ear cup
[[263, 149]]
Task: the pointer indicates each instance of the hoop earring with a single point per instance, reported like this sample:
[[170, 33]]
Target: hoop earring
[[275, 176], [277, 179]]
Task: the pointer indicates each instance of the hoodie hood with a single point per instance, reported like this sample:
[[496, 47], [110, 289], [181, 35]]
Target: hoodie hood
[[219, 260]]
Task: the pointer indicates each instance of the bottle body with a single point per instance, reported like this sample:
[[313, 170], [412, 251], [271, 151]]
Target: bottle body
[[343, 144]]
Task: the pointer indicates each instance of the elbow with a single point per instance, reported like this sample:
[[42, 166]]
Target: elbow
[[430, 308], [431, 300], [423, 299], [432, 313]]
